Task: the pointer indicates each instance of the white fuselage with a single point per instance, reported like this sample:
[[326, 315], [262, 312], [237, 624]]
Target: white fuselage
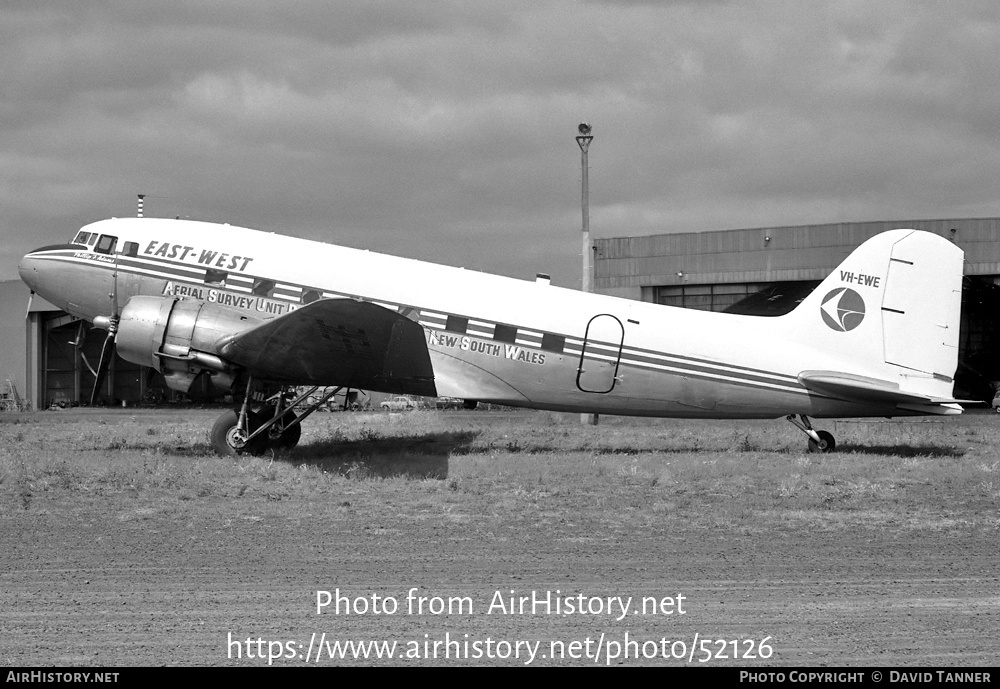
[[490, 338]]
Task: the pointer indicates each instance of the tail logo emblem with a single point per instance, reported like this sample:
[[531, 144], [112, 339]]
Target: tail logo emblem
[[843, 309]]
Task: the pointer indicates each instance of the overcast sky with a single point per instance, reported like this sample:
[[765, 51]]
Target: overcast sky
[[445, 130]]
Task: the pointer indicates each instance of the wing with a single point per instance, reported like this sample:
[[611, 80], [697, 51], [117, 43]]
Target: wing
[[867, 390], [338, 342]]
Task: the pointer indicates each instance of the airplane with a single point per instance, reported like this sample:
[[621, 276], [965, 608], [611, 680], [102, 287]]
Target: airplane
[[262, 314]]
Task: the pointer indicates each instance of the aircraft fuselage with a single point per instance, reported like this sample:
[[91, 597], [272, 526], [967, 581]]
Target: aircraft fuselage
[[490, 338]]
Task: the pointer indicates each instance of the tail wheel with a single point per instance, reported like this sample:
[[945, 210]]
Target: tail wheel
[[228, 439], [826, 443]]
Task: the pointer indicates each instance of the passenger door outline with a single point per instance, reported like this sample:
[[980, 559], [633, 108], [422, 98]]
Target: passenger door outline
[[601, 354]]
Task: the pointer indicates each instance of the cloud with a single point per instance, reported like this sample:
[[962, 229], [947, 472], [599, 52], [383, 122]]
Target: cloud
[[445, 130]]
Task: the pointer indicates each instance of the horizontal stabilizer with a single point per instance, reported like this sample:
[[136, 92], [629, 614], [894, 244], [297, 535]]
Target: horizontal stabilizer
[[338, 342], [862, 389]]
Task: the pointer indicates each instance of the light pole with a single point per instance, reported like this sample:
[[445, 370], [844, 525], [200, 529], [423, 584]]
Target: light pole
[[587, 284], [584, 140]]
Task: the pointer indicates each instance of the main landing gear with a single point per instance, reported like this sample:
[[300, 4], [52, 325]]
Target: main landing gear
[[819, 441], [274, 425]]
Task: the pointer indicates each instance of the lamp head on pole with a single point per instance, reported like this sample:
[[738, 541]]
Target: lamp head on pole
[[585, 136]]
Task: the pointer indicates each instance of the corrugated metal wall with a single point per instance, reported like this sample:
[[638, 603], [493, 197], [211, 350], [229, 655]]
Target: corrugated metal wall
[[624, 265]]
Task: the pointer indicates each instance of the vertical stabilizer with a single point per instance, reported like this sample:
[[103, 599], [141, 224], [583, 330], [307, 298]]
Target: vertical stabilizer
[[890, 311]]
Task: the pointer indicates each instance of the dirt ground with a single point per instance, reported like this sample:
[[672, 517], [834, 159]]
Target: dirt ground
[[133, 579], [97, 589]]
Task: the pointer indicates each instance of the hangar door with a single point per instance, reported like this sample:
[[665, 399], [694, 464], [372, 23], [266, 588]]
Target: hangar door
[[602, 350]]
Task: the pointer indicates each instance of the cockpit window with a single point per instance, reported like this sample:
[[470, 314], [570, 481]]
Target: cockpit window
[[106, 244], [130, 249], [82, 238]]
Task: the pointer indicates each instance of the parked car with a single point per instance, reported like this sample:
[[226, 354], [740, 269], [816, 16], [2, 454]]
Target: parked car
[[400, 403], [447, 403]]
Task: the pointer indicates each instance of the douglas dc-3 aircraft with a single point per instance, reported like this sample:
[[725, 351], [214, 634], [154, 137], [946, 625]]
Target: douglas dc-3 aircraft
[[261, 314]]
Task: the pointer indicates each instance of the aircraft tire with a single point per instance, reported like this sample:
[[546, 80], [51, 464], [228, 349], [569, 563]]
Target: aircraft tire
[[829, 444], [289, 438], [226, 423]]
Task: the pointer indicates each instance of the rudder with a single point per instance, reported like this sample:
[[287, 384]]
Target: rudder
[[922, 304]]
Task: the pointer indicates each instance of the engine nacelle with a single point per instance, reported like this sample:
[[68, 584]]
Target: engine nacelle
[[178, 337]]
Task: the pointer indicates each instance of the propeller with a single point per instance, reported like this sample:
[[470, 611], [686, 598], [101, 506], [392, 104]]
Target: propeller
[[111, 323], [107, 352], [78, 342], [81, 337]]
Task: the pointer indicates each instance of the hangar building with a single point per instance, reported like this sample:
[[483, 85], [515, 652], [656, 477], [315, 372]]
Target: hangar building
[[767, 271], [762, 271]]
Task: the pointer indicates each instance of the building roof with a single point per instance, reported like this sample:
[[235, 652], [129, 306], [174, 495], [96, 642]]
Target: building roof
[[770, 254]]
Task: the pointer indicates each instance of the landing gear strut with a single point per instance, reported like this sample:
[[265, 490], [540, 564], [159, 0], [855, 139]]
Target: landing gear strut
[[249, 431], [819, 441]]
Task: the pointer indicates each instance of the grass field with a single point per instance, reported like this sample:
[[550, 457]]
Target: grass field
[[924, 473], [125, 541]]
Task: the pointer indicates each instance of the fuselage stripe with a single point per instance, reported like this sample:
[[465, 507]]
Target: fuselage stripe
[[625, 355]]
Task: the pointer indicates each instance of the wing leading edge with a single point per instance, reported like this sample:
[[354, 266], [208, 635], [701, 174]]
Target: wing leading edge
[[338, 342]]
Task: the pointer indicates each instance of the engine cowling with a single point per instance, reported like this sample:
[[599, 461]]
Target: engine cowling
[[178, 338]]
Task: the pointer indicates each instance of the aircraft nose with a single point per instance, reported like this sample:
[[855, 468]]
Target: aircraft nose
[[62, 276], [27, 268]]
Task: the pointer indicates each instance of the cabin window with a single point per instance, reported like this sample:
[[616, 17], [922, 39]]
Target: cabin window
[[505, 333], [106, 244], [131, 249], [216, 277], [311, 295], [553, 343], [457, 324], [262, 287]]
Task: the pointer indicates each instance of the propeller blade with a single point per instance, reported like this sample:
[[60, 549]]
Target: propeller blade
[[87, 364], [103, 366], [27, 311], [107, 351], [114, 288], [81, 337]]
